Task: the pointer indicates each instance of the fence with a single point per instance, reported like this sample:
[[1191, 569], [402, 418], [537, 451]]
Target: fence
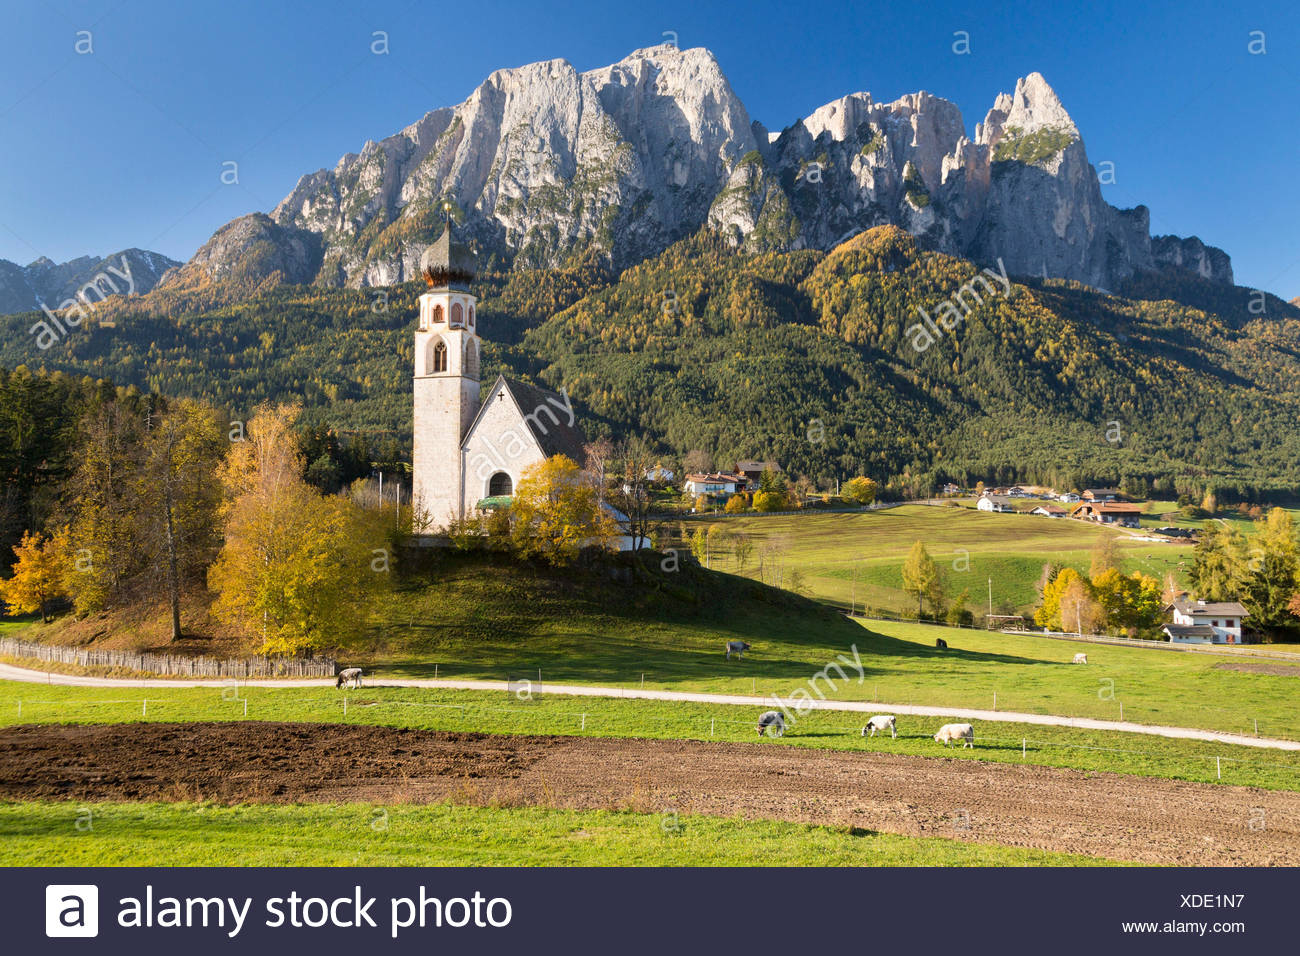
[[172, 665]]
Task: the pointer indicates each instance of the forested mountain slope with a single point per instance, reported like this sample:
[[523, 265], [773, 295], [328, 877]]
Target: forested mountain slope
[[806, 357]]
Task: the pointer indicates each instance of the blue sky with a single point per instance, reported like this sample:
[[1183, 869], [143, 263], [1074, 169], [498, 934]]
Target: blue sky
[[124, 146]]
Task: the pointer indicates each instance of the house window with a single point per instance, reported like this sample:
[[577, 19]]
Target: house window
[[440, 357], [500, 485], [1214, 624]]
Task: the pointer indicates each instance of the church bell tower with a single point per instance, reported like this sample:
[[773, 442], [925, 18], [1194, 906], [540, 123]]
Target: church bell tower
[[446, 382]]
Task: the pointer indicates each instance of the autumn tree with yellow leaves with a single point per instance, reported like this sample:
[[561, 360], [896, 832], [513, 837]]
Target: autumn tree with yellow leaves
[[38, 573], [556, 513], [297, 568]]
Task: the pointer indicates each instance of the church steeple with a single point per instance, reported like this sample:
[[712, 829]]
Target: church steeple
[[447, 356]]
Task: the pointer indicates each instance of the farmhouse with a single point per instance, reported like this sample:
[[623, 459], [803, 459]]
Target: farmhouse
[[1051, 511], [714, 483], [752, 471], [995, 503], [469, 454], [1119, 513], [1068, 498], [1202, 622], [1100, 494]]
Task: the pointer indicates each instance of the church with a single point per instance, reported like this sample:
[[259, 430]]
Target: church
[[471, 446]]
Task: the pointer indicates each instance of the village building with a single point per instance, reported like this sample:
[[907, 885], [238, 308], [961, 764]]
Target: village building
[[714, 483], [1051, 511], [1100, 494], [1118, 513], [995, 503], [1204, 622], [752, 471]]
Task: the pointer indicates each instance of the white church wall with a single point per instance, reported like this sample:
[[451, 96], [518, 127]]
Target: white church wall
[[500, 441]]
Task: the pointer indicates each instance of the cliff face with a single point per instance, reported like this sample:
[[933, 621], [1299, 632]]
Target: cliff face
[[542, 163]]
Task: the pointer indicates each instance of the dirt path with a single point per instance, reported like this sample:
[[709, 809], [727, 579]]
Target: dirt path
[[9, 672], [1109, 815]]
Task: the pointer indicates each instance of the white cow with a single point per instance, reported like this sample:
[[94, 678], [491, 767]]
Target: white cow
[[772, 721], [738, 648], [349, 676], [881, 722], [1080, 659], [950, 732]]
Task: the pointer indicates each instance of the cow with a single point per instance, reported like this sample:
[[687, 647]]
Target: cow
[[1080, 659], [773, 721], [738, 648], [881, 722], [940, 643], [351, 675], [949, 732]]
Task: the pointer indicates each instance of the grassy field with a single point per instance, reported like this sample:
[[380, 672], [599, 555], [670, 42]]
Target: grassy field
[[44, 834], [858, 558], [614, 717]]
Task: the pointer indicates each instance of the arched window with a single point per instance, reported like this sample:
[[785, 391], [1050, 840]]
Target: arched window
[[437, 314], [440, 357], [457, 316], [471, 316], [500, 485], [471, 358]]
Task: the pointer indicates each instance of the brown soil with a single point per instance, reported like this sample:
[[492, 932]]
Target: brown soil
[[1099, 814], [1277, 670]]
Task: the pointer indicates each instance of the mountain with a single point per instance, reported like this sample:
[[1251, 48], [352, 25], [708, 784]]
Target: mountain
[[542, 164], [807, 357], [23, 288]]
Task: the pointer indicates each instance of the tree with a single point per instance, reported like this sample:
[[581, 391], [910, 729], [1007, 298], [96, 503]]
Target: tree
[[697, 462], [736, 504], [921, 578], [38, 573], [803, 489], [1271, 571], [301, 568], [1219, 562], [633, 496], [1128, 602], [180, 495], [769, 501], [1048, 614], [742, 549], [1104, 556], [555, 512], [861, 489]]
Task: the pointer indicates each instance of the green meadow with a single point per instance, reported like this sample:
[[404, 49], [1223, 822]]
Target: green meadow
[[547, 713], [857, 558], [116, 834]]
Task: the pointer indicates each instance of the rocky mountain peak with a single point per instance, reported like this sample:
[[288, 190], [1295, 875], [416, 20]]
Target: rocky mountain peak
[[544, 162]]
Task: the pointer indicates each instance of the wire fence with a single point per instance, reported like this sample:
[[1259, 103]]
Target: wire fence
[[570, 721], [171, 665]]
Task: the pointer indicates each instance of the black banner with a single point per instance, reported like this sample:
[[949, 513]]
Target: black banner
[[778, 911]]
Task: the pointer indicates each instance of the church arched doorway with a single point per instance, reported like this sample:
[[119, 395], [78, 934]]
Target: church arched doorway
[[500, 485]]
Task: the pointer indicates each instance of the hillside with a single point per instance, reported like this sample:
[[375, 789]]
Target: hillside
[[806, 357], [495, 614]]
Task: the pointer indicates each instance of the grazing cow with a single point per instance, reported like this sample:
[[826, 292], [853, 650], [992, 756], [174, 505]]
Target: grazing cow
[[772, 721], [882, 723], [738, 648], [940, 643], [351, 675], [963, 732], [1080, 659]]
